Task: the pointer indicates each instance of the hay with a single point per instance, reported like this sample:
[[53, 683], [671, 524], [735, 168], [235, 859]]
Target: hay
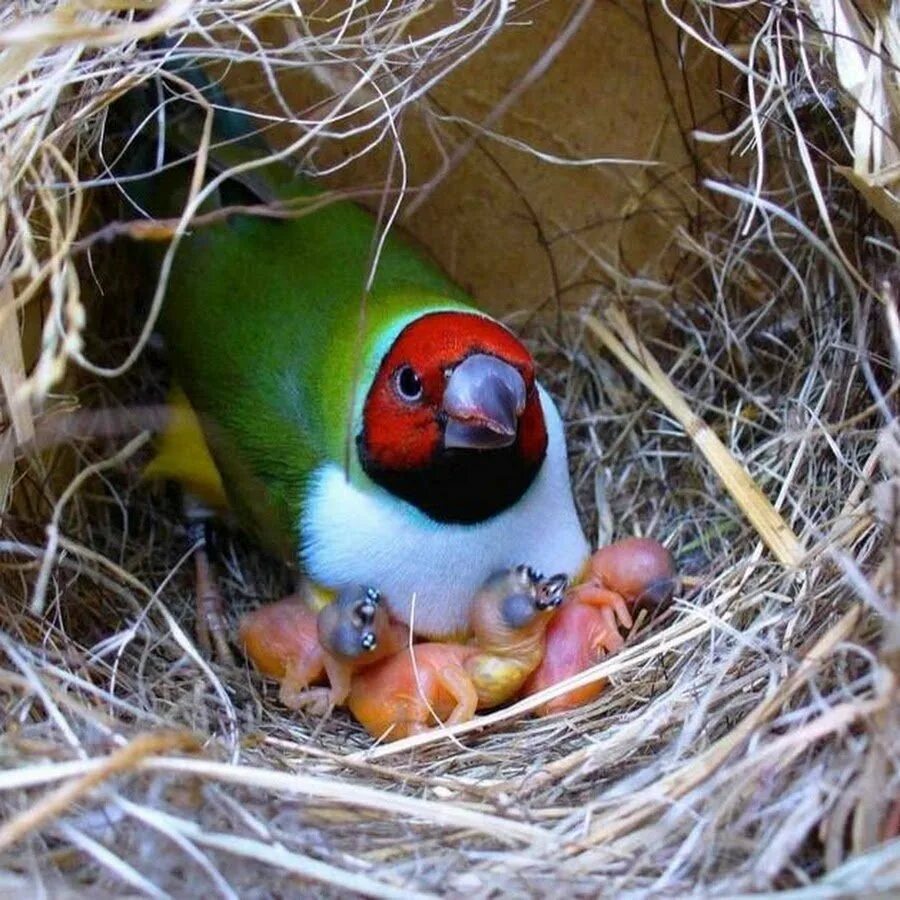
[[747, 740]]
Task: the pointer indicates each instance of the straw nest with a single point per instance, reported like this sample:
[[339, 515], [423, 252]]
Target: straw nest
[[748, 737]]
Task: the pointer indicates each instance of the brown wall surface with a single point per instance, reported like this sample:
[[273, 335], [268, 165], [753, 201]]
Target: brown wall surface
[[617, 89]]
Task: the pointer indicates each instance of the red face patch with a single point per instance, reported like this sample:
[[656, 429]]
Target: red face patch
[[402, 417]]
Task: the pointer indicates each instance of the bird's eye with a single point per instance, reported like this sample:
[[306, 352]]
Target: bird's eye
[[409, 385]]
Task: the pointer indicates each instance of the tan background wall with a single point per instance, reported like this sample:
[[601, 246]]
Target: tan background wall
[[617, 89]]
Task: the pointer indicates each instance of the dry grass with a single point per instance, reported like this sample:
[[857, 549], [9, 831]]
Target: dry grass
[[748, 739]]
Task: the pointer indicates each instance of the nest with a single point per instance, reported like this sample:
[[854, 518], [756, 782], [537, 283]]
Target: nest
[[740, 406]]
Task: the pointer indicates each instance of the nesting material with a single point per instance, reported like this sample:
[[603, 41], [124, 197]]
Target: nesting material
[[733, 395]]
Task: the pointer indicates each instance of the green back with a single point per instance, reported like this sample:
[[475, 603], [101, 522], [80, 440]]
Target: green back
[[264, 324]]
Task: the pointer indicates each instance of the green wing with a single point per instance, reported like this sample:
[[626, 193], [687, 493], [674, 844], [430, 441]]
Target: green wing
[[265, 327]]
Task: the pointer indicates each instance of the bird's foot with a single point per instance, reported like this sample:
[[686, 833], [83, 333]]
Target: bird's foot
[[458, 683], [612, 610], [317, 701]]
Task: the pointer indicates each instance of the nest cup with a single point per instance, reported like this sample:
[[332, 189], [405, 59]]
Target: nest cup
[[691, 216]]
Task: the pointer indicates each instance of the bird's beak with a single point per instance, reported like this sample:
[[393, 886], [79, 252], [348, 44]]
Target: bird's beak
[[483, 400]]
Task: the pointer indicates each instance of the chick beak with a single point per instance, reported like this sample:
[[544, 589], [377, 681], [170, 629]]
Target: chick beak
[[483, 400]]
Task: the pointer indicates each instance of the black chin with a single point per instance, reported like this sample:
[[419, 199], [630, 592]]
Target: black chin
[[460, 487]]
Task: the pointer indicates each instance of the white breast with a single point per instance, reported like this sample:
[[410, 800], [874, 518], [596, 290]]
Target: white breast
[[430, 571]]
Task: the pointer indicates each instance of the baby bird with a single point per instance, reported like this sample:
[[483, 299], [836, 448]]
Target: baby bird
[[578, 637], [620, 576], [435, 683], [623, 574], [287, 641]]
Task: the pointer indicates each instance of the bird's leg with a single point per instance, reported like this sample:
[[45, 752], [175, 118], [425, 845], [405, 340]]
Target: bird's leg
[[606, 637], [295, 691], [611, 604], [212, 626], [611, 615], [459, 685], [339, 675], [314, 700]]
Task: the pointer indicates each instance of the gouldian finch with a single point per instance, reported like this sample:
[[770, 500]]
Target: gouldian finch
[[395, 437]]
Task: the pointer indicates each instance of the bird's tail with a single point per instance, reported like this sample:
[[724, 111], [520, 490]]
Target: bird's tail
[[157, 131]]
